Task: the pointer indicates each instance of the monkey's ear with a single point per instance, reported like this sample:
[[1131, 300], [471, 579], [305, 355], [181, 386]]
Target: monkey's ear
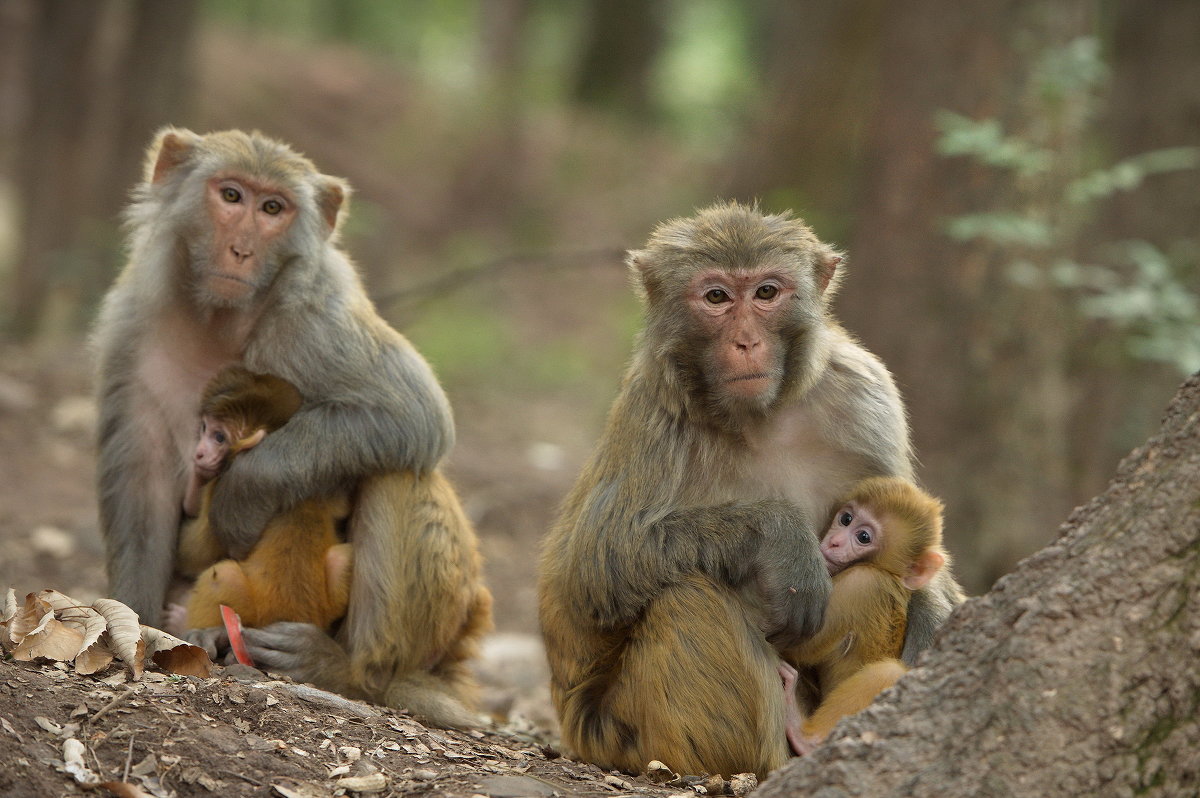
[[827, 263], [640, 265], [331, 195], [250, 441], [637, 260], [924, 569], [171, 147]]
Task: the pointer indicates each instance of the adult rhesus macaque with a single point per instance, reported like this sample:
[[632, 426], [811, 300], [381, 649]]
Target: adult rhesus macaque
[[686, 557], [884, 542], [233, 259], [299, 570]]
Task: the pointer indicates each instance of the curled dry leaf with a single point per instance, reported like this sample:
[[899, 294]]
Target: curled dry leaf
[[124, 633], [10, 605], [48, 638], [94, 654], [174, 655]]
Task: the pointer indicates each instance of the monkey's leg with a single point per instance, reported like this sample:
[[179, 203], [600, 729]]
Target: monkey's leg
[[417, 601], [793, 717], [697, 687], [851, 695]]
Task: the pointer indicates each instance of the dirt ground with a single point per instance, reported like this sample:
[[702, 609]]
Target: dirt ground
[[239, 734], [186, 736]]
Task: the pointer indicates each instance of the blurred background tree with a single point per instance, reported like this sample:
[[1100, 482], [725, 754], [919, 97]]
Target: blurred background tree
[[1014, 183]]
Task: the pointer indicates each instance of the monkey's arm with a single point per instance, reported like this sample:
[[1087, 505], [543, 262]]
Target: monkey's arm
[[390, 415], [767, 546], [191, 497], [928, 608]]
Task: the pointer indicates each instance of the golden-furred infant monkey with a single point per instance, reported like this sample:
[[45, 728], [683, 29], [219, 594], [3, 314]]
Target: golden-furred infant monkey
[[884, 542], [299, 570]]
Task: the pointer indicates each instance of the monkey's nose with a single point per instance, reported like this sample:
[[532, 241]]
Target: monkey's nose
[[240, 253]]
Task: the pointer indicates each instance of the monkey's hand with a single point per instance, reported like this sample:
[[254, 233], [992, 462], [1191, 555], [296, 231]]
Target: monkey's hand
[[792, 581], [213, 640], [302, 651]]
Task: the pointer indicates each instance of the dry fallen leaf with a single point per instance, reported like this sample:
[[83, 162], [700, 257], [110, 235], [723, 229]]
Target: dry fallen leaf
[[48, 638], [174, 655], [124, 633]]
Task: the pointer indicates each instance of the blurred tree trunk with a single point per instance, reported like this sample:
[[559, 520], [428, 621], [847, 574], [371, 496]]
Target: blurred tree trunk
[[484, 185], [100, 77], [1075, 676], [821, 71], [51, 165], [621, 45], [1155, 103], [153, 86], [983, 362]]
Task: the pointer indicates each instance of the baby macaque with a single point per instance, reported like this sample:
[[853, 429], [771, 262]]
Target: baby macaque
[[298, 570], [884, 542]]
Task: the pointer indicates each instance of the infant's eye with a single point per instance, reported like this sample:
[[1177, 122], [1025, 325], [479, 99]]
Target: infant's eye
[[845, 519], [219, 437], [863, 536]]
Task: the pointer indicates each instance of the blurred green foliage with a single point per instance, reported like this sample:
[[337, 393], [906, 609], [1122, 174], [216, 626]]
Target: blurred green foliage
[[1133, 286]]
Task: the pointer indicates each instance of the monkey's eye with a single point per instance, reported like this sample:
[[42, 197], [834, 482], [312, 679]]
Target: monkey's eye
[[863, 536], [272, 207], [219, 437], [767, 291], [231, 194], [715, 296], [845, 519]]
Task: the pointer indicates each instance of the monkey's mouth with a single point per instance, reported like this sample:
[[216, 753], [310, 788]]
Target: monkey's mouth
[[750, 377], [233, 278], [206, 473]]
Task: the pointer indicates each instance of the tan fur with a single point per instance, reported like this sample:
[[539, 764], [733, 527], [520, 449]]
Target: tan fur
[[686, 555]]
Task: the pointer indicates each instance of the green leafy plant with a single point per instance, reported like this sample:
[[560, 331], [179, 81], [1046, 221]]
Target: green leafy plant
[[1137, 288]]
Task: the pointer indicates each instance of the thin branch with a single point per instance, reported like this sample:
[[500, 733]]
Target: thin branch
[[409, 299]]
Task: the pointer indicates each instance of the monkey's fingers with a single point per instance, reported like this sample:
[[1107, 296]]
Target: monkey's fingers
[[213, 640]]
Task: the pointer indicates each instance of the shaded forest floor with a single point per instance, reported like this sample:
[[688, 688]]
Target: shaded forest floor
[[247, 736]]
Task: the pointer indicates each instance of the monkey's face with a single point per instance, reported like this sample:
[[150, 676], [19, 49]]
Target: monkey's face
[[740, 315], [248, 221], [855, 535], [213, 447]]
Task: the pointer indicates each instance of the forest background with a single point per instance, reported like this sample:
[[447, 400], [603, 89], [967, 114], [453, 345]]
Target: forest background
[[1014, 184]]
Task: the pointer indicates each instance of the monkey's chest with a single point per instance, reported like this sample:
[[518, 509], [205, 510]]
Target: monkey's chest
[[799, 458], [172, 371]]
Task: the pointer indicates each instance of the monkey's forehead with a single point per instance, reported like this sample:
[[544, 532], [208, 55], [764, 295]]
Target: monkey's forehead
[[733, 226], [256, 155]]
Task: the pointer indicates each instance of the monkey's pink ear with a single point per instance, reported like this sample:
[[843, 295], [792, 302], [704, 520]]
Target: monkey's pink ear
[[636, 259], [924, 569], [827, 269], [331, 195], [174, 147]]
